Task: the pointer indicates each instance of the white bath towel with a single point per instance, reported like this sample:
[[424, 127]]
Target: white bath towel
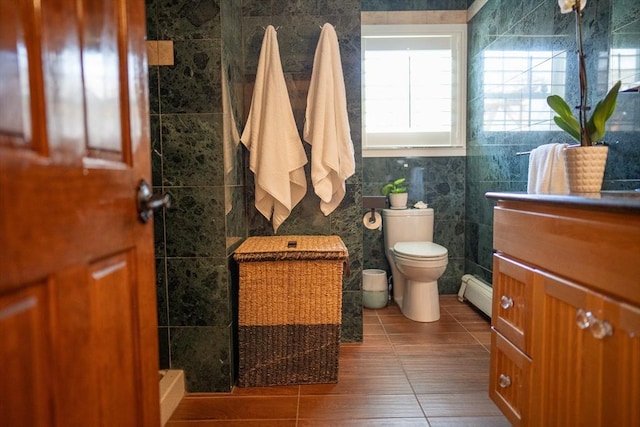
[[326, 125], [230, 138], [547, 170], [276, 155]]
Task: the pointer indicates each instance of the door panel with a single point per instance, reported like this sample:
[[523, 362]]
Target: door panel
[[73, 333], [62, 79], [101, 74], [23, 317], [112, 280], [14, 89]]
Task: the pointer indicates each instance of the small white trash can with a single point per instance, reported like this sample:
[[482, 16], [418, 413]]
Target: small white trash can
[[375, 289]]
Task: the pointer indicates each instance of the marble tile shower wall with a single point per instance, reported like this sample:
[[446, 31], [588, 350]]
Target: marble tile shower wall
[[439, 182], [400, 5], [492, 164], [192, 250], [298, 24]]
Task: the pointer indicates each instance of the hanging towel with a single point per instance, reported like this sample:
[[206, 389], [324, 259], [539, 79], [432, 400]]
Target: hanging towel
[[276, 155], [230, 138], [326, 126], [547, 170]]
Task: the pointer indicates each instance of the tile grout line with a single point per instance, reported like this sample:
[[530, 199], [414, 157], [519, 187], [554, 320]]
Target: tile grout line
[[467, 330], [298, 406], [406, 376]]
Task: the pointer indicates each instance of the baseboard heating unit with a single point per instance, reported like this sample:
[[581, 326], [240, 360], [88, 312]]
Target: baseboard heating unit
[[477, 292]]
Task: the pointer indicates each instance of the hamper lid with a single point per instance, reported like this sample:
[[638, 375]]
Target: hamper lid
[[276, 248]]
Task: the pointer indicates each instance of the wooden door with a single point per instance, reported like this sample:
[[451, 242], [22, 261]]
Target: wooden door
[[77, 291]]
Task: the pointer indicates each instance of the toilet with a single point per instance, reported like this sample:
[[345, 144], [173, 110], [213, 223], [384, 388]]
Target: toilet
[[416, 262]]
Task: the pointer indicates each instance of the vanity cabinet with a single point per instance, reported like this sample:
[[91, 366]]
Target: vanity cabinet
[[566, 325]]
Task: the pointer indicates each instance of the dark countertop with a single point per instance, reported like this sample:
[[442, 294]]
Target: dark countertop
[[627, 201]]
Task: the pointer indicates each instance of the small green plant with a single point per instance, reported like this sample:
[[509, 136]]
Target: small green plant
[[394, 187]]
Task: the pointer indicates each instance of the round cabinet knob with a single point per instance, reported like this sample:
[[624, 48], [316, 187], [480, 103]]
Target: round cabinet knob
[[601, 329], [504, 381], [584, 319], [506, 302]]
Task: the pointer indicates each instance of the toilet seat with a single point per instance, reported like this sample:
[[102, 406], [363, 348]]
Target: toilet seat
[[420, 251]]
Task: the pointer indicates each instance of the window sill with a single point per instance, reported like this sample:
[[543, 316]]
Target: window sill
[[416, 152]]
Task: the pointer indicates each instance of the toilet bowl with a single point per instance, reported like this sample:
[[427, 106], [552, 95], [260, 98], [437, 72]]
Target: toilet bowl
[[416, 262], [421, 264]]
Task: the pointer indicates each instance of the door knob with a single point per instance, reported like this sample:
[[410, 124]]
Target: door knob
[[147, 202]]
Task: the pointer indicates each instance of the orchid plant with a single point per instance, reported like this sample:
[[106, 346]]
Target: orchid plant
[[586, 130]]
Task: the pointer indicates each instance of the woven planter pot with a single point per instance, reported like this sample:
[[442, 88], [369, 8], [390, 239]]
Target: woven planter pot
[[585, 168]]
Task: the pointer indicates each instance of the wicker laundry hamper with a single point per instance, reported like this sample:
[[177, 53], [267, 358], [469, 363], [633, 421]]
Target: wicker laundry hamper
[[290, 309]]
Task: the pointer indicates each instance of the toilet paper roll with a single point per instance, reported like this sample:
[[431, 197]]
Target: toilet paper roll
[[372, 225]]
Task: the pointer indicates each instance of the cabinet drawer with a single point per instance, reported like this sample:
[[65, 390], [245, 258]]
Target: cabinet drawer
[[512, 301], [510, 379]]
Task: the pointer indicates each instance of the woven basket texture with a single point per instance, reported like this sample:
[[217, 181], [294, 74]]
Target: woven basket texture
[[290, 309], [288, 355]]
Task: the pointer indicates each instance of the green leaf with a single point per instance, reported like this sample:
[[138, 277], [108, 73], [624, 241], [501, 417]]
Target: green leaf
[[399, 181], [399, 190], [603, 111], [386, 189], [561, 107], [573, 129]]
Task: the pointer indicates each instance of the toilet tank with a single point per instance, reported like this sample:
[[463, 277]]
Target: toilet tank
[[407, 225]]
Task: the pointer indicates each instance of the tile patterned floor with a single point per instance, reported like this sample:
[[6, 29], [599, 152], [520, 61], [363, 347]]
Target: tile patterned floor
[[404, 374]]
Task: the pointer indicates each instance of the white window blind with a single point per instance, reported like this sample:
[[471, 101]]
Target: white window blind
[[414, 86]]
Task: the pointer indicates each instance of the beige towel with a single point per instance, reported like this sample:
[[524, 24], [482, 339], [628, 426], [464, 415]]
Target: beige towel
[[547, 170], [276, 155], [230, 138], [326, 125]]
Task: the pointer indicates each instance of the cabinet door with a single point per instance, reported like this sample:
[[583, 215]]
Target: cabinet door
[[587, 365], [621, 365]]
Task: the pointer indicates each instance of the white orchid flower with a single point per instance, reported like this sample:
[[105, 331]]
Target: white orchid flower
[[566, 6]]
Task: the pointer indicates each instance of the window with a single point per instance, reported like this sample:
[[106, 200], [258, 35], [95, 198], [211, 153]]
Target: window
[[516, 86], [413, 89]]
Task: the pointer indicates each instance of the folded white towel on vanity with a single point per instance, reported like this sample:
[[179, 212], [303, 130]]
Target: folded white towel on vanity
[[326, 126], [547, 170], [276, 155]]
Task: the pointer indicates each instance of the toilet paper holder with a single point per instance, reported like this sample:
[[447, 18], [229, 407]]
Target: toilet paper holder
[[372, 215], [373, 202]]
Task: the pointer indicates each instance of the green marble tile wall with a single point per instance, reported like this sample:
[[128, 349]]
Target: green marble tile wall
[[195, 238], [437, 181], [398, 5], [492, 164]]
